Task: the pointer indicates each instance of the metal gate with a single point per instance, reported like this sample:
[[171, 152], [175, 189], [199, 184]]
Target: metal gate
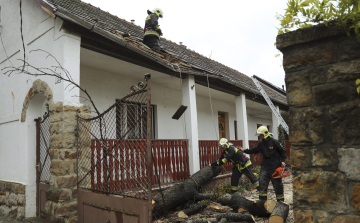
[[43, 160], [114, 158]]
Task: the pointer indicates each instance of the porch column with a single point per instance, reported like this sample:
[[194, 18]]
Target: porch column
[[241, 117], [275, 123], [191, 123]]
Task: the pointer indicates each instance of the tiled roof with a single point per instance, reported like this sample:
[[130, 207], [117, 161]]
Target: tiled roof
[[172, 53]]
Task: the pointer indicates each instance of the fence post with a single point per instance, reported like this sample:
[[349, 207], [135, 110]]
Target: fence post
[[148, 142]]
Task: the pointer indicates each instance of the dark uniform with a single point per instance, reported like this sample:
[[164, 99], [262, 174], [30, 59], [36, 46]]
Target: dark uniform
[[152, 31], [273, 154], [242, 165]]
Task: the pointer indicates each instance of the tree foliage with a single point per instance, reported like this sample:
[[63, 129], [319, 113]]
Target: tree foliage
[[304, 13]]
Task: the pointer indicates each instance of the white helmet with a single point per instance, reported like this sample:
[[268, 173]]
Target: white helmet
[[223, 142], [262, 130], [158, 12]]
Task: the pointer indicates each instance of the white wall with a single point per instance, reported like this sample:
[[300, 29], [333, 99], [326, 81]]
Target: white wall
[[40, 31], [104, 87]]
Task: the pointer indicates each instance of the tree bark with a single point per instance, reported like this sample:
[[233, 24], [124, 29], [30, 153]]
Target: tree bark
[[280, 213], [184, 191], [201, 197], [224, 200], [223, 220], [259, 208], [236, 217], [195, 208]]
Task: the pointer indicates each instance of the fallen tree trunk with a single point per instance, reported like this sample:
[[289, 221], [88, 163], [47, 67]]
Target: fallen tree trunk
[[201, 197], [184, 191], [236, 217], [259, 208], [195, 208], [216, 207], [202, 221], [224, 200], [280, 213]]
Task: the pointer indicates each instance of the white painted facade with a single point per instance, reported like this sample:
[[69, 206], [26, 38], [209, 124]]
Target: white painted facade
[[106, 80]]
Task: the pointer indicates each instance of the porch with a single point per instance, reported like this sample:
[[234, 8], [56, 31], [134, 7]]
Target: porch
[[170, 161]]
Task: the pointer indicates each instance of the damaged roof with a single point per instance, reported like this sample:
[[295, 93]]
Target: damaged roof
[[172, 55]]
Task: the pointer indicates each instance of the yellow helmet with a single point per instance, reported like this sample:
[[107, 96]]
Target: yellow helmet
[[262, 130], [158, 12], [223, 142]]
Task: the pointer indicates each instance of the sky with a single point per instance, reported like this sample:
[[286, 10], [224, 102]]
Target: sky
[[239, 34]]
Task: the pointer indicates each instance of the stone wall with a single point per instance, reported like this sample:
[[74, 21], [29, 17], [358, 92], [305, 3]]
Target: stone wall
[[321, 66], [61, 204], [12, 200]]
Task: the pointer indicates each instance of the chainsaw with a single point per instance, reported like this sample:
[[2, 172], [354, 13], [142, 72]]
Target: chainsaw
[[280, 173]]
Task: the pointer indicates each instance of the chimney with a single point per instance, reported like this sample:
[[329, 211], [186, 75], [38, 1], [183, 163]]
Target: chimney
[[283, 87], [133, 21], [181, 44]]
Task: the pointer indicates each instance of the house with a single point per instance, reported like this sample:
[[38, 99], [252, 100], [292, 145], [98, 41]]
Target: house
[[104, 55]]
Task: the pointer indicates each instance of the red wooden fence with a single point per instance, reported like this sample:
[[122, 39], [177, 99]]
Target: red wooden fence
[[209, 152], [170, 158]]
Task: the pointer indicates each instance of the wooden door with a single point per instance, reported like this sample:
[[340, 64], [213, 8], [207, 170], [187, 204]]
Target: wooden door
[[222, 125]]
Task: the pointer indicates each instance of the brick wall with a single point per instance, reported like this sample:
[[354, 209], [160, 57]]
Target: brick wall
[[321, 66]]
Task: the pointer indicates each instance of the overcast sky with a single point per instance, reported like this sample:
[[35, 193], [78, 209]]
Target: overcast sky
[[237, 33]]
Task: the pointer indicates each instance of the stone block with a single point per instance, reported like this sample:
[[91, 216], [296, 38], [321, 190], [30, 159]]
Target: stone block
[[318, 75], [20, 189], [298, 88], [55, 128], [57, 194], [66, 182], [345, 71], [324, 157], [13, 212], [349, 162], [71, 154], [66, 210], [321, 216], [330, 94], [320, 190], [346, 219], [306, 125], [20, 214], [59, 167], [11, 200], [73, 220], [299, 156], [347, 49], [2, 185], [356, 197], [4, 210], [345, 123], [313, 33], [303, 216], [307, 56], [21, 200]]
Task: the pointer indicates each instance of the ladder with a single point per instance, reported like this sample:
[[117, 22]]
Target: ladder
[[274, 110]]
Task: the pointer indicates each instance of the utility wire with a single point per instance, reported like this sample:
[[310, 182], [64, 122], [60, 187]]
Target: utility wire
[[212, 111]]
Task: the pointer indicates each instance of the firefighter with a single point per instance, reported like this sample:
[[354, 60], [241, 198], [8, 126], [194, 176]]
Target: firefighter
[[274, 156], [241, 164], [152, 31]]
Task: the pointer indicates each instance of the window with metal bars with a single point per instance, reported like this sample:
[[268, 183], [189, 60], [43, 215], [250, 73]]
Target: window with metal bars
[[131, 121]]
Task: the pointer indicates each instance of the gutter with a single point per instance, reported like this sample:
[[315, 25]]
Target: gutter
[[66, 15]]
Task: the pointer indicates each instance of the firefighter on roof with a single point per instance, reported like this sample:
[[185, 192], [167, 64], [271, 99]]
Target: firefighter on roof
[[241, 164], [274, 156], [152, 31]]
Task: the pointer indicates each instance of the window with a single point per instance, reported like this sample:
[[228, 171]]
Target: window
[[131, 121]]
